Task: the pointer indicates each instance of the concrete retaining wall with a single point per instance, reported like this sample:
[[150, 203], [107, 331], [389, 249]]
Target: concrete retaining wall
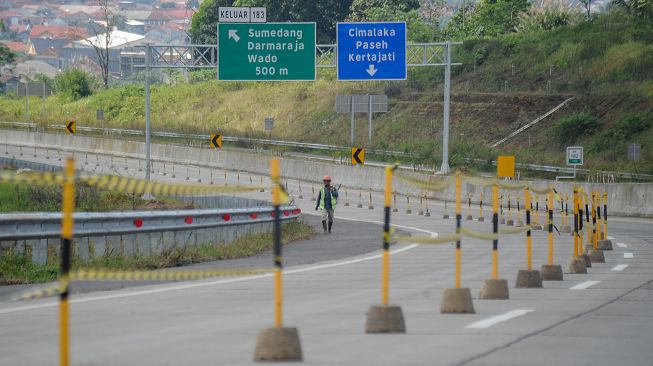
[[626, 199]]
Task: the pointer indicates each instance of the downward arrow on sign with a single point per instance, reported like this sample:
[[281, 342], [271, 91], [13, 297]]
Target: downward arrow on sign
[[234, 34], [371, 70]]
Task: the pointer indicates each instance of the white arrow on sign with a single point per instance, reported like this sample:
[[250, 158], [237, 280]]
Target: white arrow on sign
[[233, 34], [371, 70]]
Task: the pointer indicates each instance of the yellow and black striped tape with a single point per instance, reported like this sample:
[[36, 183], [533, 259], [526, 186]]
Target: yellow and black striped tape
[[425, 184], [123, 184], [128, 275], [440, 239]]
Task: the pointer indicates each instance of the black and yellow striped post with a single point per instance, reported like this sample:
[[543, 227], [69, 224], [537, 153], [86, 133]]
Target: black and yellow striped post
[[528, 278], [277, 343], [481, 218], [520, 222], [386, 318], [469, 207], [596, 253], [566, 228], [495, 288], [551, 271], [576, 263], [457, 300], [67, 224], [604, 243], [510, 221]]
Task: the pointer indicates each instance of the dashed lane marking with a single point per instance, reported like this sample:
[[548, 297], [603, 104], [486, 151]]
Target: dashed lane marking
[[622, 245], [486, 323], [619, 267], [584, 285], [629, 255]]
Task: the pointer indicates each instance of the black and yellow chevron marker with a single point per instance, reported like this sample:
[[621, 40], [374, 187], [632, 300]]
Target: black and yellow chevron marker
[[439, 186], [54, 290]]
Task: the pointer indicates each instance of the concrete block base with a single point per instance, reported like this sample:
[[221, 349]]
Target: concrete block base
[[588, 261], [502, 221], [409, 211], [427, 214], [536, 227], [551, 272], [278, 344], [605, 244], [577, 266], [420, 212], [457, 301], [596, 255], [481, 219], [445, 216], [360, 205], [494, 290], [528, 279], [566, 229], [385, 319], [510, 222], [519, 224], [470, 217]]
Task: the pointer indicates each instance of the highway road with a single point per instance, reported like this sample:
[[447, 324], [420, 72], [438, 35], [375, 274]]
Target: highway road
[[601, 318]]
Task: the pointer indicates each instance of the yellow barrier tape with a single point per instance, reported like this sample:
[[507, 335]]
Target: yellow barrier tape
[[426, 185], [546, 190], [285, 197], [441, 239], [123, 184], [481, 182], [478, 234], [127, 275], [516, 230], [511, 186]]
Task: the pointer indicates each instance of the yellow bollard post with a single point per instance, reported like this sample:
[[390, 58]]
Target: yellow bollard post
[[502, 219], [370, 206], [313, 197], [457, 300], [481, 218], [421, 205], [301, 194], [394, 202], [604, 243], [426, 204], [495, 288], [469, 207], [550, 271], [445, 216], [67, 225], [510, 221], [528, 278], [584, 230], [346, 197], [596, 253], [576, 263], [520, 222], [386, 318], [360, 198], [408, 210], [277, 343]]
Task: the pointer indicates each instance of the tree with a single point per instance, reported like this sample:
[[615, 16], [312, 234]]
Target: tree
[[102, 42], [363, 9], [587, 4], [73, 84], [6, 56], [639, 8], [325, 14], [488, 18]]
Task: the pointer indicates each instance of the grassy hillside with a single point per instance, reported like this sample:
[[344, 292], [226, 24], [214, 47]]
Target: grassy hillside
[[504, 83]]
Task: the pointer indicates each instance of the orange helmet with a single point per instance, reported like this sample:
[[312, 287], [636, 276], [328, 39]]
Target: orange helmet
[[327, 177]]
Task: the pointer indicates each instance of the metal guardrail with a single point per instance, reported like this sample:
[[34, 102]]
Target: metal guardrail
[[41, 225], [415, 168]]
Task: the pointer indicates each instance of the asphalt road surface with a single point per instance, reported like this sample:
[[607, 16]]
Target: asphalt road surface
[[604, 317]]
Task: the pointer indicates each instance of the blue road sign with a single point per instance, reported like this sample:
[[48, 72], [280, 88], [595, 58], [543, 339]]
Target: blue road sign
[[372, 51]]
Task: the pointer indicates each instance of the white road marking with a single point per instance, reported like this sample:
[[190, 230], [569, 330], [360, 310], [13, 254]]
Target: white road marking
[[629, 255], [486, 323], [619, 267], [610, 238], [622, 245], [584, 285], [168, 288]]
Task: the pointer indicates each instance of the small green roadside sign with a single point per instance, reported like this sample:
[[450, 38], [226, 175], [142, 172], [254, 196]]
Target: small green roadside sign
[[266, 51]]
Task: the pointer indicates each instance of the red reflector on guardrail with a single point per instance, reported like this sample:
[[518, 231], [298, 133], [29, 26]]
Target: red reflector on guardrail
[[188, 220], [138, 222], [297, 211], [226, 217], [273, 214], [253, 215], [286, 213]]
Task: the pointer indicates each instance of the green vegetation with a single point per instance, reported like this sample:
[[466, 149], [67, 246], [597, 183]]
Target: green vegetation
[[73, 84], [15, 269], [38, 198], [572, 128], [525, 63]]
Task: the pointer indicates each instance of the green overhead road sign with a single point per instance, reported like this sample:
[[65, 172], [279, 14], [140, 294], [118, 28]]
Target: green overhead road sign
[[266, 51]]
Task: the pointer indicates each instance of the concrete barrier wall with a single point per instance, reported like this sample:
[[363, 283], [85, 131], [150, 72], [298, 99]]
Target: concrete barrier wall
[[625, 199]]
